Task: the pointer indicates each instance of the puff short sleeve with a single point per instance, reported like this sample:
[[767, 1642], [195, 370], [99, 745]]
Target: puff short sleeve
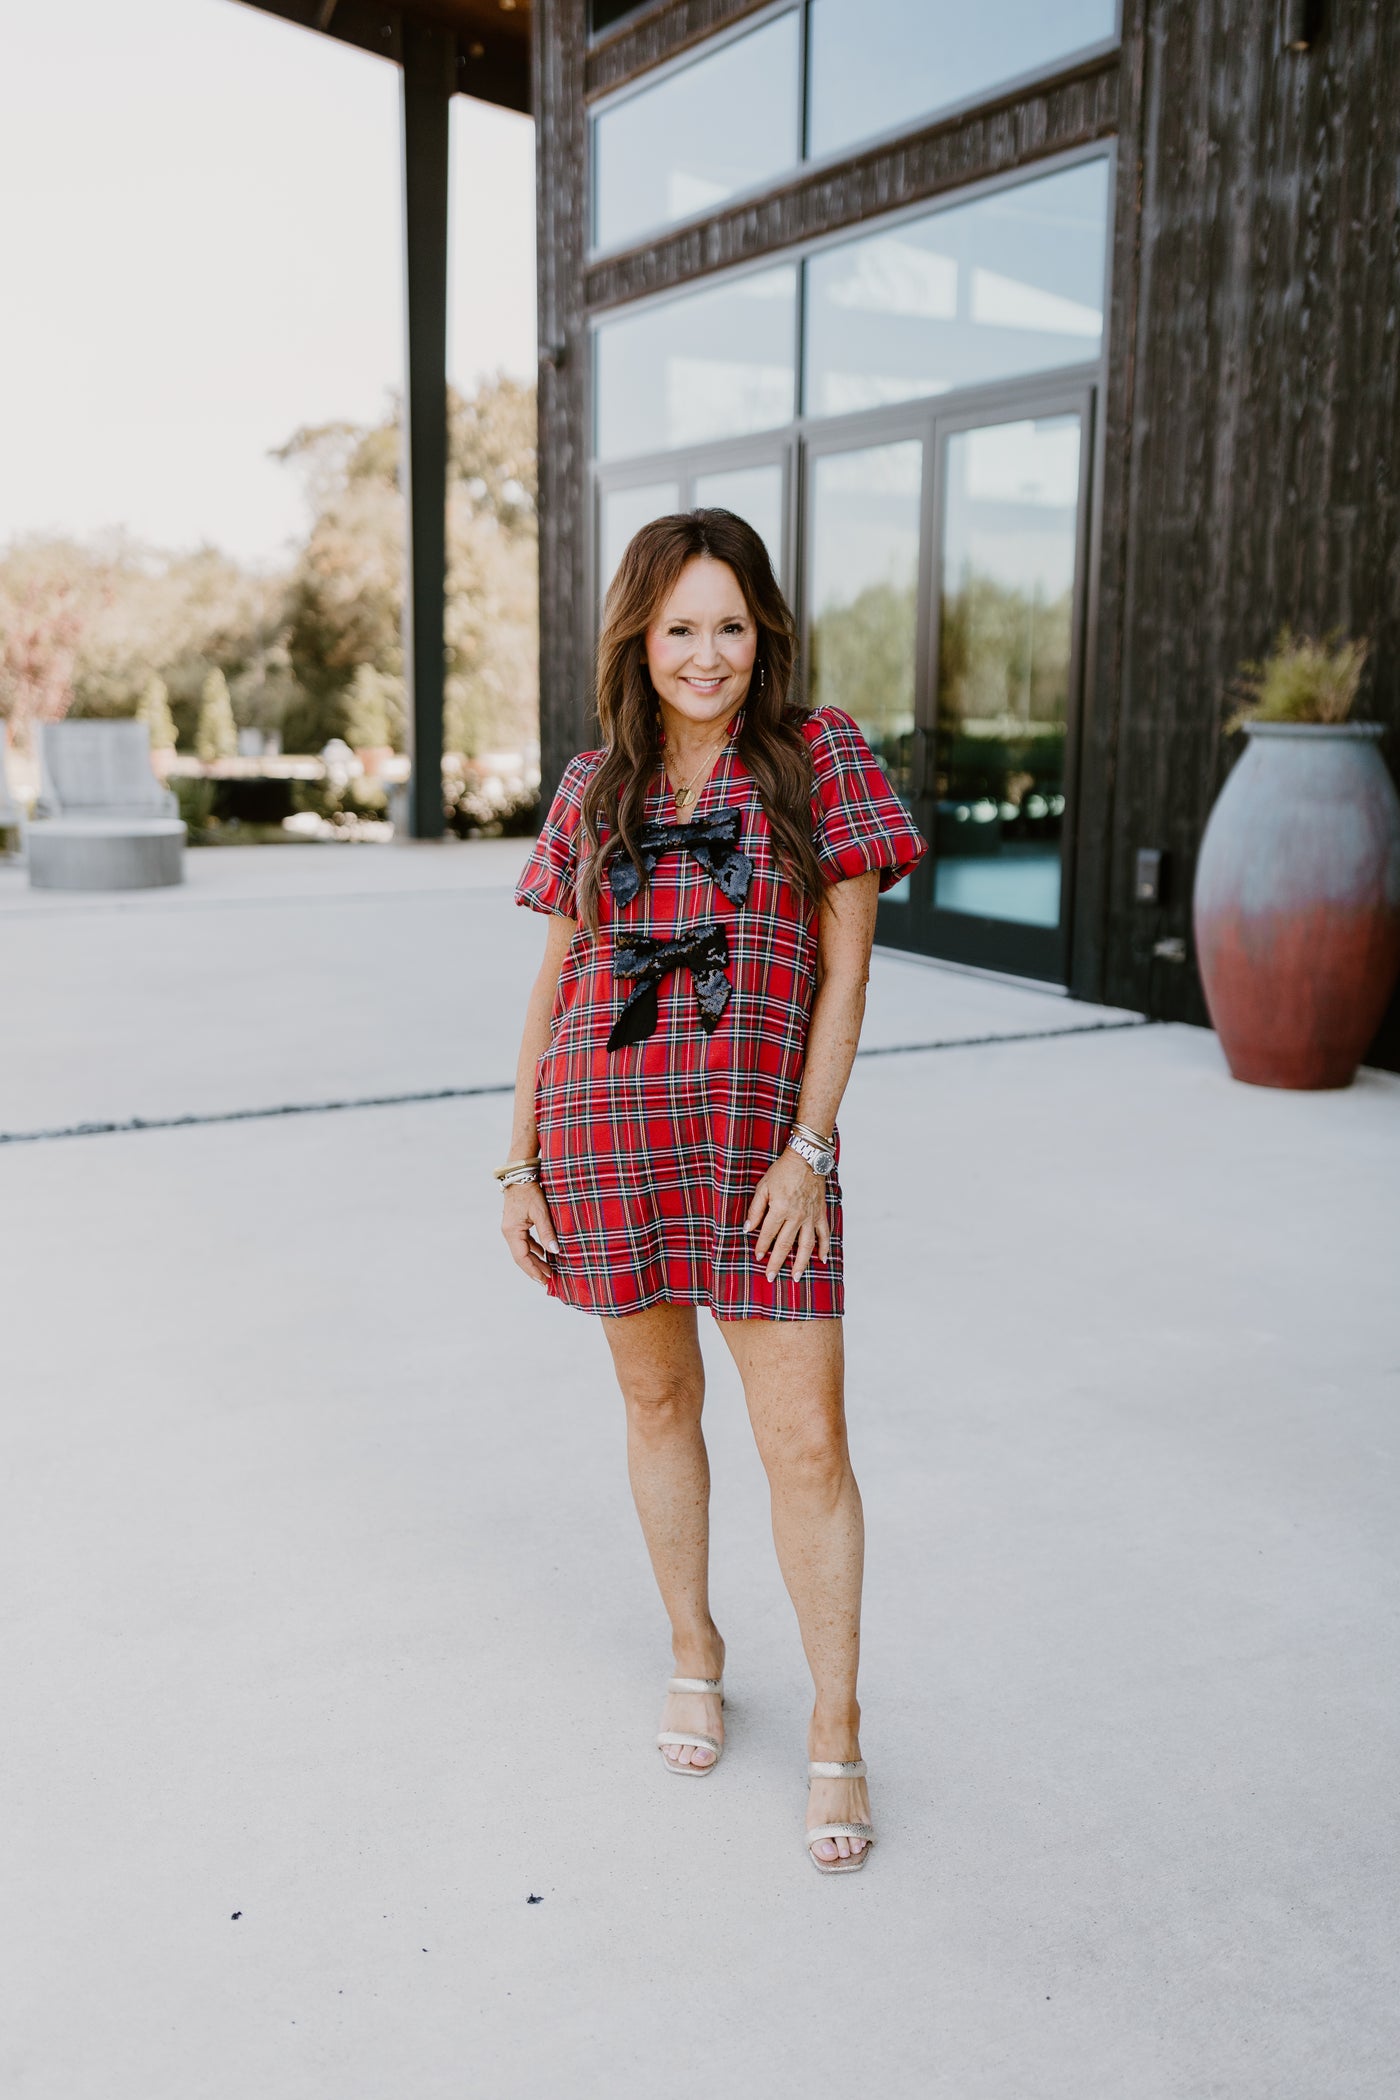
[[549, 880], [859, 824]]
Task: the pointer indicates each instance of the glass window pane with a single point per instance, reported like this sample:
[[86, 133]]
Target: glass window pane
[[729, 122], [713, 364], [930, 54], [1010, 283], [756, 494], [864, 584], [621, 512], [1010, 528], [603, 13]]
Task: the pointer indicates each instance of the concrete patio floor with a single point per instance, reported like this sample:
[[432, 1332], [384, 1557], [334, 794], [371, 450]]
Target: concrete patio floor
[[329, 1637]]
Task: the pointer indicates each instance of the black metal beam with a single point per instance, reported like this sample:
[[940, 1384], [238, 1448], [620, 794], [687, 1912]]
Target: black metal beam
[[429, 65]]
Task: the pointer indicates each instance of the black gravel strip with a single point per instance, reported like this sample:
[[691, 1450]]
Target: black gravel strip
[[250, 1115], [471, 1093], [1024, 1035]]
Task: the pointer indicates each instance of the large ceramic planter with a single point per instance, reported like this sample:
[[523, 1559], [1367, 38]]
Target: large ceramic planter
[[1297, 903]]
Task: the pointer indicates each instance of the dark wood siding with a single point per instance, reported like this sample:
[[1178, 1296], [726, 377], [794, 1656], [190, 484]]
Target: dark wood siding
[[561, 146], [1103, 677], [636, 45], [1265, 413]]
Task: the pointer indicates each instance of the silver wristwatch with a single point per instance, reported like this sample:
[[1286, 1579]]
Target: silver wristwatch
[[821, 1159]]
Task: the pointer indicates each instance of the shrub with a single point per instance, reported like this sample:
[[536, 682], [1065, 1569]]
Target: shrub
[[491, 808], [317, 798], [194, 799]]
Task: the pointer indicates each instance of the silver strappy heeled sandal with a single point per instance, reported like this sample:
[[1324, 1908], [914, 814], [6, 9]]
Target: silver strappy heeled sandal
[[702, 1742], [819, 1769]]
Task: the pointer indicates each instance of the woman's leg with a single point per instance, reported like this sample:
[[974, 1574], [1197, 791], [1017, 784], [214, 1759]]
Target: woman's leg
[[656, 1354], [793, 1373]]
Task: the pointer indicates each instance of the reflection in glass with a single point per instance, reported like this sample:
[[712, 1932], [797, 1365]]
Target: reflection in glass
[[621, 512], [603, 13], [726, 123], [930, 54], [864, 588], [756, 493], [712, 364], [1010, 518], [1010, 283]]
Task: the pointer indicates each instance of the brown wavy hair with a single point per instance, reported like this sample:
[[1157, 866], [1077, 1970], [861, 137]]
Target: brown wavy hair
[[770, 741]]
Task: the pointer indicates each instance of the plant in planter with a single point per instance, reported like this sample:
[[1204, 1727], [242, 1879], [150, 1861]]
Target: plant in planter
[[1297, 894]]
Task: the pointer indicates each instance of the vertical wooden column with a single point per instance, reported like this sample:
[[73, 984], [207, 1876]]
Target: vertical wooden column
[[429, 59], [562, 162]]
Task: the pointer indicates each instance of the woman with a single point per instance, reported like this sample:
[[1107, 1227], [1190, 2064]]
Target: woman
[[712, 874]]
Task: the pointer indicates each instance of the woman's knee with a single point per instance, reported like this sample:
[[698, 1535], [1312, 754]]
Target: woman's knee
[[663, 1403], [809, 1453]]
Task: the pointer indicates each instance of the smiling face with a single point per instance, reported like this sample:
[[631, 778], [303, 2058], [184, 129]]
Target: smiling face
[[701, 648]]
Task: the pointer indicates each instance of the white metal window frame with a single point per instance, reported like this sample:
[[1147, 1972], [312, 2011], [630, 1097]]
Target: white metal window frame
[[944, 113], [789, 441]]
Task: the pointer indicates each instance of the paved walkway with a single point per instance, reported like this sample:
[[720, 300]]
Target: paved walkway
[[325, 1604]]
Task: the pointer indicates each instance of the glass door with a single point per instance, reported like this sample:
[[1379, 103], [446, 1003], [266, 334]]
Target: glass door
[[1010, 510], [943, 591], [866, 624]]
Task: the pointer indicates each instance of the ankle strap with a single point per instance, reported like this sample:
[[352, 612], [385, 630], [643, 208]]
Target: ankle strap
[[695, 1684], [823, 1769]]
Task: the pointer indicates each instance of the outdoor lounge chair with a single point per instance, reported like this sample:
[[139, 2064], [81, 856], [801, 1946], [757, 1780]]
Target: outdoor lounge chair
[[103, 821]]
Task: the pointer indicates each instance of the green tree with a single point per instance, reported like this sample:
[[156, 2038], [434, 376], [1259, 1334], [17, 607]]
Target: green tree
[[345, 603], [217, 734], [863, 659], [153, 709], [84, 627], [44, 616], [1003, 654]]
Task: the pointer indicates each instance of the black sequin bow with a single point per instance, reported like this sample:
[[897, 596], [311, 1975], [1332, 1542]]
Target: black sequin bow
[[713, 840], [703, 950]]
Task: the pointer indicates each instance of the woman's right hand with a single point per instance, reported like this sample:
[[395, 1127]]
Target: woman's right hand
[[526, 1208]]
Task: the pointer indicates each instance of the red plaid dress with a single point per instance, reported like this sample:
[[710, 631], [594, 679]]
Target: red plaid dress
[[650, 1153]]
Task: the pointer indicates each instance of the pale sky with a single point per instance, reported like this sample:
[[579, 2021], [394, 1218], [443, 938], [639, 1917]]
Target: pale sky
[[200, 250]]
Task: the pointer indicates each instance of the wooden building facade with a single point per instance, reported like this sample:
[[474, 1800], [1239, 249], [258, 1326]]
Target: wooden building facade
[[1093, 383], [1054, 349]]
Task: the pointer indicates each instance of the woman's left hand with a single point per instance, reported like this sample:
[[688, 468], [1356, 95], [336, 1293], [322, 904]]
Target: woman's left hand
[[788, 1213]]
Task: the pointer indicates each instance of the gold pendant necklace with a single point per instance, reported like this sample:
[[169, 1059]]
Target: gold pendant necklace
[[684, 796]]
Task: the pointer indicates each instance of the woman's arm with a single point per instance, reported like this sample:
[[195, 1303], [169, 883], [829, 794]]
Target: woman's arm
[[525, 1206], [788, 1211]]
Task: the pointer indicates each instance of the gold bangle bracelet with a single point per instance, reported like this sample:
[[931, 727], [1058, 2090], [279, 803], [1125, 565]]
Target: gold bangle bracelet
[[513, 1166], [806, 1130]]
